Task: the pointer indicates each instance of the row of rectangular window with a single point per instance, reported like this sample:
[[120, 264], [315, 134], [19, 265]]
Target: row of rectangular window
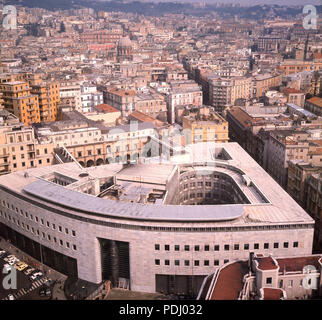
[[36, 232], [186, 263], [227, 247], [188, 229], [31, 217]]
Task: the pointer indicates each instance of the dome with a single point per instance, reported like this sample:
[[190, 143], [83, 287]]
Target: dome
[[125, 42]]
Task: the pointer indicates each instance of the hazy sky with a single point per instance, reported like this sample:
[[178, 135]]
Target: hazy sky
[[252, 2]]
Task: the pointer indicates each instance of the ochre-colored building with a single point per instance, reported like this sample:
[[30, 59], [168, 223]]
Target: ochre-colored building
[[212, 128], [19, 101], [49, 98], [36, 100]]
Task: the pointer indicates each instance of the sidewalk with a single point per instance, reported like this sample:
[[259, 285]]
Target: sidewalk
[[59, 278]]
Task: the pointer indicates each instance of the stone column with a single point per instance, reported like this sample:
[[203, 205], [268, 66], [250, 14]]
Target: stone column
[[114, 253]]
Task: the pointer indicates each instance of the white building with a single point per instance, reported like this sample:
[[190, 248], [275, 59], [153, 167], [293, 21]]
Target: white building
[[90, 97], [159, 227], [70, 94]]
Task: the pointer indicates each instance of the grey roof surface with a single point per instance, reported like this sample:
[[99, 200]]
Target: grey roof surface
[[80, 201]]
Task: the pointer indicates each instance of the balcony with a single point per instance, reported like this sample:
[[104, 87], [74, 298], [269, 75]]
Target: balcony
[[5, 155], [30, 148], [4, 164]]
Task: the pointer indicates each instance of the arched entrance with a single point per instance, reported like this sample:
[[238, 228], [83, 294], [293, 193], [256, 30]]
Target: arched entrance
[[90, 163], [82, 163], [99, 162]]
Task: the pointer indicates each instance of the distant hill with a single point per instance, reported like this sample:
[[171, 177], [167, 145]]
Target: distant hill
[[160, 8]]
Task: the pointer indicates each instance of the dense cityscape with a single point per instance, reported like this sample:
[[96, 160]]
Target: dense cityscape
[[160, 151]]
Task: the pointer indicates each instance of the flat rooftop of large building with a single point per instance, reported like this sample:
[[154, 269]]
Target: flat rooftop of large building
[[267, 203]]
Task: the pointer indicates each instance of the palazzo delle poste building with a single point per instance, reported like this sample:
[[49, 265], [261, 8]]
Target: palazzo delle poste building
[[156, 227]]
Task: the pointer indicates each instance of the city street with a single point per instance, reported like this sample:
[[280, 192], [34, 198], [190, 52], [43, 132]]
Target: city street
[[23, 281]]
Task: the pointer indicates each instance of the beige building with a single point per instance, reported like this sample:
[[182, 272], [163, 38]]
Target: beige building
[[294, 96], [314, 105], [286, 145], [152, 105], [223, 92], [264, 82], [313, 205], [105, 113], [293, 66], [121, 99], [181, 94], [202, 128], [19, 149], [70, 94], [304, 185]]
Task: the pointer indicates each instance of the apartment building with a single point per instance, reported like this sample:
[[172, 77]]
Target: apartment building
[[265, 82], [254, 127], [223, 92], [70, 94], [1, 101], [285, 145], [111, 35], [304, 185], [182, 93], [47, 92], [19, 149], [314, 105], [299, 172], [268, 43], [90, 97], [294, 96], [105, 113], [313, 205], [151, 104], [49, 99], [205, 128], [121, 99], [18, 100], [293, 66], [91, 142]]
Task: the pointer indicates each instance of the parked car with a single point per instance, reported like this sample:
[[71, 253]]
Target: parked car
[[13, 260], [44, 291], [29, 271], [8, 257], [36, 276], [20, 266]]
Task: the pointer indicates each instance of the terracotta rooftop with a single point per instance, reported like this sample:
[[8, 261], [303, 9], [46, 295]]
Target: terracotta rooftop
[[316, 101], [230, 281], [122, 92], [291, 90], [243, 117], [140, 116], [266, 263], [298, 263], [272, 294], [317, 55], [106, 108]]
